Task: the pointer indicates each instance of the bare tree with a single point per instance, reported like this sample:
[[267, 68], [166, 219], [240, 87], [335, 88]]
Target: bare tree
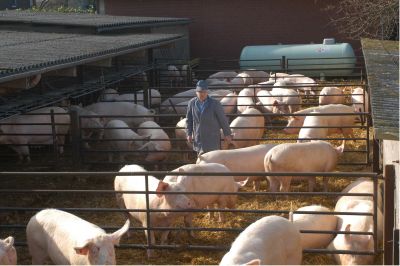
[[377, 19]]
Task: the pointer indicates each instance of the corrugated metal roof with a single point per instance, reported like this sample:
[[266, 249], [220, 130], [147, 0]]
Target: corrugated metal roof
[[382, 64], [28, 52], [99, 22], [33, 99]]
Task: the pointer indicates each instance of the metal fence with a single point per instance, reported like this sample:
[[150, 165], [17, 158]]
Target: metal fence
[[19, 190]]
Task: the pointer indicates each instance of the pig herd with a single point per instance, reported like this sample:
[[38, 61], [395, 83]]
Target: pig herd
[[67, 239]]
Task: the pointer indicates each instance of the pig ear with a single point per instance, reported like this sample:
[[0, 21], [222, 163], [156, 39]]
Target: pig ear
[[116, 236], [275, 103], [254, 262], [347, 237], [84, 248], [162, 186], [9, 242], [243, 183], [340, 149]]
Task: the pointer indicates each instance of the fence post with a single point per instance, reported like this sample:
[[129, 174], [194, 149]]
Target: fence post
[[283, 64], [389, 176], [75, 138], [54, 134], [376, 156], [146, 178]]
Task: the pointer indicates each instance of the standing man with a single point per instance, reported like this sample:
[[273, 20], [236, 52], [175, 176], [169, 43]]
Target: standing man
[[205, 117]]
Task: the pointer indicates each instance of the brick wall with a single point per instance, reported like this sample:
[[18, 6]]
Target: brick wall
[[221, 28]]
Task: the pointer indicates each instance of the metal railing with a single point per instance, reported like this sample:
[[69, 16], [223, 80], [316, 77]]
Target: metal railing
[[27, 211]]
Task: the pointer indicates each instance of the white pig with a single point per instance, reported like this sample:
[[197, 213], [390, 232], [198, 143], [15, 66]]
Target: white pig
[[297, 120], [249, 135], [209, 183], [271, 240], [229, 102], [233, 159], [287, 100], [319, 222], [68, 239], [317, 126], [242, 80], [119, 137], [359, 223], [39, 116], [154, 97], [180, 133], [331, 95], [315, 156], [172, 75], [246, 98], [108, 95], [277, 76], [177, 98], [225, 75], [157, 201], [305, 84], [90, 124], [266, 85], [8, 254], [122, 109], [266, 100], [340, 120], [179, 108], [159, 141], [357, 99], [257, 75]]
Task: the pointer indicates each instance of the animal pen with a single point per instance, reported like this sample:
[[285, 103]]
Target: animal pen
[[80, 180]]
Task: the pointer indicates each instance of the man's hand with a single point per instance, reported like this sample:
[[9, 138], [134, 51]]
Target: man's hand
[[228, 139], [189, 139]]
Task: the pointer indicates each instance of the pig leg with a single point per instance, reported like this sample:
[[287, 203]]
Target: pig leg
[[311, 183], [121, 205], [222, 205], [273, 183], [210, 215], [164, 237], [60, 142], [23, 152], [285, 184], [39, 255], [188, 220], [150, 252], [256, 185]]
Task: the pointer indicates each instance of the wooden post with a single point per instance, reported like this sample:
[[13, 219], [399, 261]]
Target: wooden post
[[389, 176]]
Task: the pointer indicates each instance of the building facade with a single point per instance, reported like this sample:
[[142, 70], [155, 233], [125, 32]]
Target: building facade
[[221, 28]]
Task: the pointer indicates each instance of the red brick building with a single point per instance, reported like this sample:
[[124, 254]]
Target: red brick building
[[221, 28]]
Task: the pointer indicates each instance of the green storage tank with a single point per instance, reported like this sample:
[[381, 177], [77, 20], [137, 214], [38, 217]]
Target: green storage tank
[[326, 59]]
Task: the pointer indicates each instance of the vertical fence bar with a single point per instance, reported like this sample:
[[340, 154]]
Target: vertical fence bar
[[368, 138], [283, 64], [375, 214], [396, 246], [54, 134], [389, 175], [75, 138], [146, 98], [146, 178], [376, 156]]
